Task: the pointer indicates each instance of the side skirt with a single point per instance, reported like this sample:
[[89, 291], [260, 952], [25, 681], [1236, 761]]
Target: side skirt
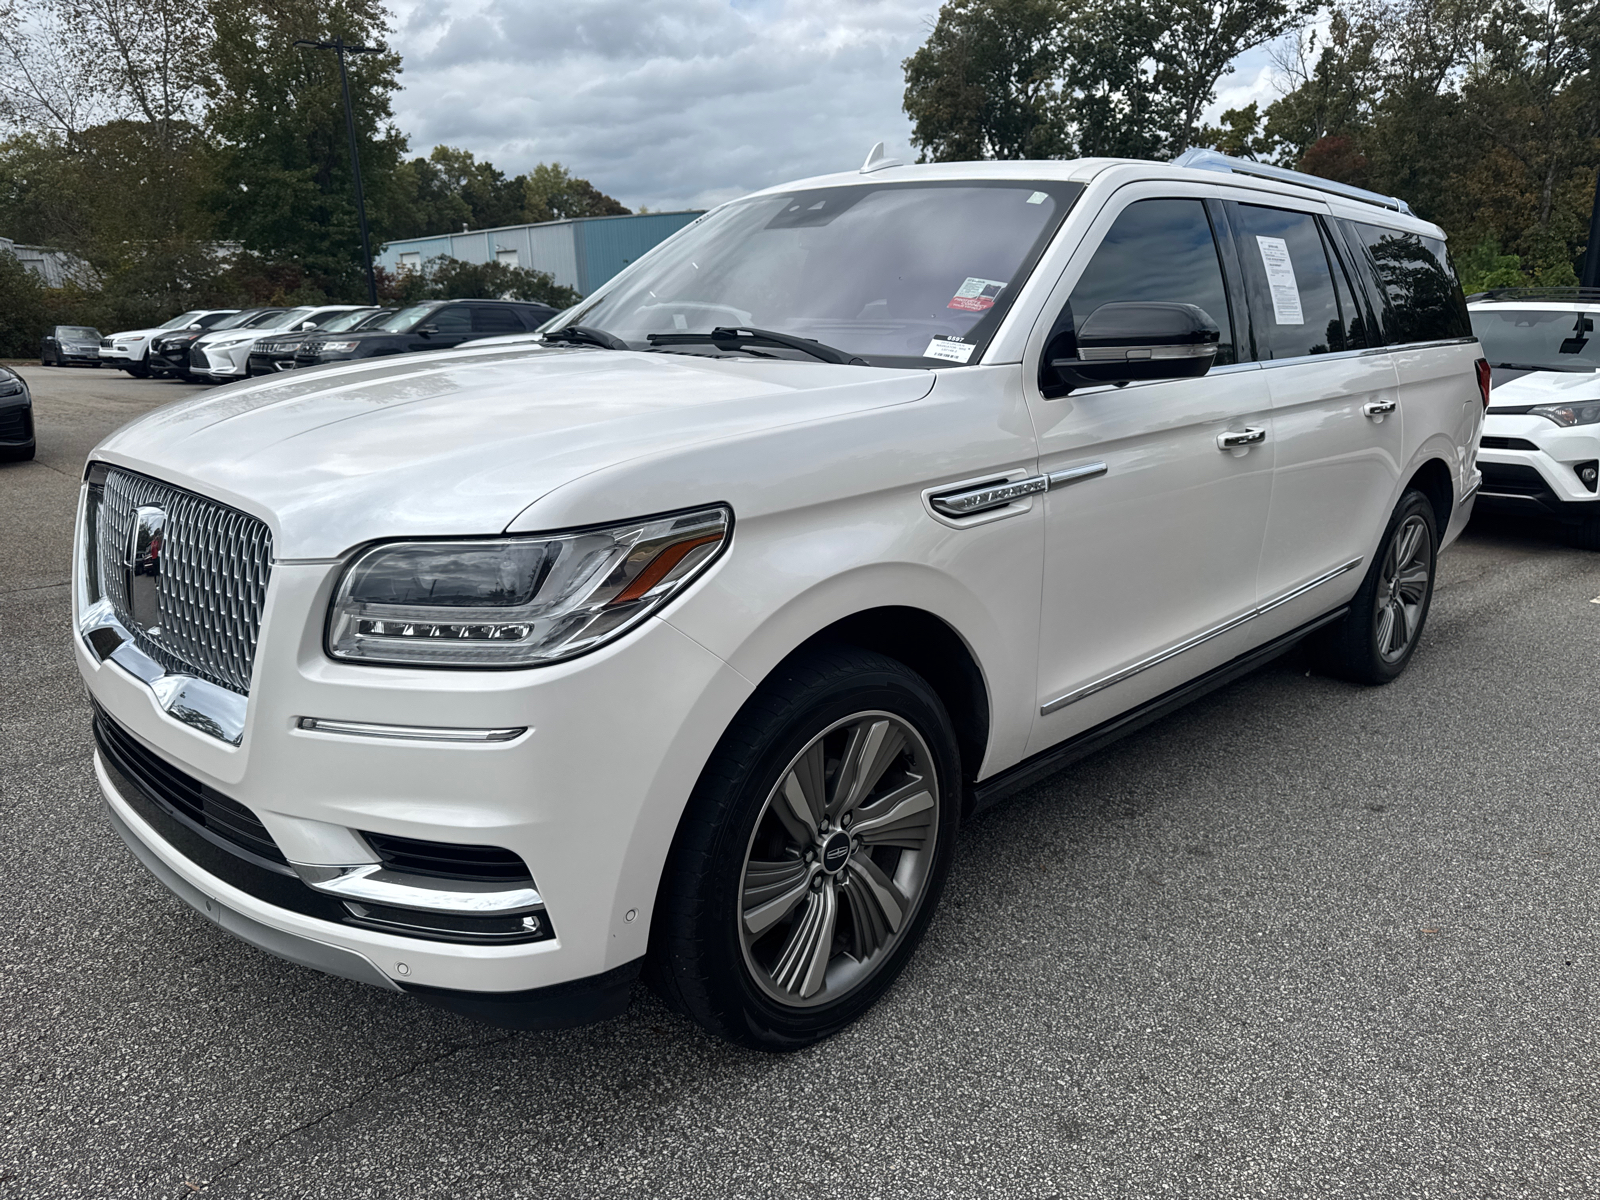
[[1047, 762]]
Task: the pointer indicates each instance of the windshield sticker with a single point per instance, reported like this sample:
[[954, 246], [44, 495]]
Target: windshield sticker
[[976, 295], [1038, 197], [1281, 281], [950, 351]]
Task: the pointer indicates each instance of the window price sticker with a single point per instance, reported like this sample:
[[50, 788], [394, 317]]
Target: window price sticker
[[1281, 281], [942, 347], [976, 295]]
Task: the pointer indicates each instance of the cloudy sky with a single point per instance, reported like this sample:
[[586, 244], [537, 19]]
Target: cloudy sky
[[674, 105]]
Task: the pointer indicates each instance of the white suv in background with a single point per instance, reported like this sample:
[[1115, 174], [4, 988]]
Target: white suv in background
[[130, 349], [224, 355], [1540, 449], [683, 640]]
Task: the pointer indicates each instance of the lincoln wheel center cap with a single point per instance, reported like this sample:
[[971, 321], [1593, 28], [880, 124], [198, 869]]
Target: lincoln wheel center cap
[[836, 852]]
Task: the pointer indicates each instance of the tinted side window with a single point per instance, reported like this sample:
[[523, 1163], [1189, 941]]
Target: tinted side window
[[1155, 250], [1422, 298], [1289, 282], [495, 320], [451, 321], [1353, 335]]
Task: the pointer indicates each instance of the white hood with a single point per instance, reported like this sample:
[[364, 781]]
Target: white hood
[[459, 443], [1546, 387]]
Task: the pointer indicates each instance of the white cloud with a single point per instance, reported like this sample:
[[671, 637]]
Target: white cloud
[[673, 106]]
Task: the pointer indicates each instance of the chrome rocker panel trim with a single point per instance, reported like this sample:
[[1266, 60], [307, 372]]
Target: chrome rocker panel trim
[[199, 703], [1162, 656]]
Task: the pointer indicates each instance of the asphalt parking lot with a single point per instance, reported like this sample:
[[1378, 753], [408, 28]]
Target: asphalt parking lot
[[1301, 939]]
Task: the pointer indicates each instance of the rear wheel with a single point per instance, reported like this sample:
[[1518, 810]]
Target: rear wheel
[[1374, 641], [812, 853]]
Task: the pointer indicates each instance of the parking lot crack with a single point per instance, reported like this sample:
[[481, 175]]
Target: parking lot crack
[[328, 1114]]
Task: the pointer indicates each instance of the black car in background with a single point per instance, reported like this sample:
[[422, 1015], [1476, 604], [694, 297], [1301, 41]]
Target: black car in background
[[64, 345], [16, 418], [169, 354], [276, 353], [431, 325]]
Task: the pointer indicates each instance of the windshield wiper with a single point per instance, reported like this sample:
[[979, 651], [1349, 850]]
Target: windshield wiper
[[586, 335], [724, 338]]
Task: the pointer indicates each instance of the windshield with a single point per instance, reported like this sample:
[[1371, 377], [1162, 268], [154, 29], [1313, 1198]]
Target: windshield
[[405, 318], [78, 331], [1540, 339], [903, 274], [182, 319], [282, 320], [339, 322], [243, 317]]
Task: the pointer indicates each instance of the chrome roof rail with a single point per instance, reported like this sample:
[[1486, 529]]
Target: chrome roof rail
[[1210, 160]]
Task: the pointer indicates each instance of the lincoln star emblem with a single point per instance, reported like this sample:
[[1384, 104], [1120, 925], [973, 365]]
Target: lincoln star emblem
[[145, 545]]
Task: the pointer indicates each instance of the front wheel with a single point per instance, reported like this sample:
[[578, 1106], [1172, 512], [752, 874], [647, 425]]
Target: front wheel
[[139, 370], [1375, 640], [812, 853]]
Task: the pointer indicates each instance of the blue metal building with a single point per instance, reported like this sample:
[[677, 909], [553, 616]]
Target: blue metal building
[[581, 253]]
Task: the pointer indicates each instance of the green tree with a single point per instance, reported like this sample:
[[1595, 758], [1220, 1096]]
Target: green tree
[[551, 193], [451, 279], [281, 184]]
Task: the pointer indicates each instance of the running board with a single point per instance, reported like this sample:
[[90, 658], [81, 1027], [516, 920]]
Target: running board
[[1063, 754]]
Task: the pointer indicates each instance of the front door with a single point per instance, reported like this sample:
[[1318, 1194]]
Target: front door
[[1159, 491], [448, 326]]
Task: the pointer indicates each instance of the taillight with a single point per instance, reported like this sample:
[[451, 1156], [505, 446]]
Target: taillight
[[1485, 376]]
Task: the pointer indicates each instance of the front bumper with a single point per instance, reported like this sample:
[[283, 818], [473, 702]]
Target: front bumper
[[269, 364], [206, 363], [1532, 465], [589, 796]]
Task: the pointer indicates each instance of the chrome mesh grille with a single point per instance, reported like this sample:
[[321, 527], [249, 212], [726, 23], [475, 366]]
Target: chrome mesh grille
[[215, 564]]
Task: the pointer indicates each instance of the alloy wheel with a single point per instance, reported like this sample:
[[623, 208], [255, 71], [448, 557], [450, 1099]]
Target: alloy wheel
[[1402, 588], [839, 860]]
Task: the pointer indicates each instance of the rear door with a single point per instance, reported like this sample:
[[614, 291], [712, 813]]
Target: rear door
[[1335, 410], [1153, 527]]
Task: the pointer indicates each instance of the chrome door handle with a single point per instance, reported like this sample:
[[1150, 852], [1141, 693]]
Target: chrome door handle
[[1254, 435], [1378, 408]]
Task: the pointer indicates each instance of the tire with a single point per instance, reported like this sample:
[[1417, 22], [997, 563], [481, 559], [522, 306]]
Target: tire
[[139, 370], [1375, 640], [774, 943]]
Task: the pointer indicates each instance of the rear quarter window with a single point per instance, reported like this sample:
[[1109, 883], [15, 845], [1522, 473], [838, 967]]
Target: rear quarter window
[[1418, 292]]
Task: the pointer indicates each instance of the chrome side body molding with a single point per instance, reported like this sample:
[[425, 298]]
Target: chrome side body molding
[[1170, 652], [976, 498]]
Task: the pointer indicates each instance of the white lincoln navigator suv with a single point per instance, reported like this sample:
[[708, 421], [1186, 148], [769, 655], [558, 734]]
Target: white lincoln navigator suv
[[680, 639]]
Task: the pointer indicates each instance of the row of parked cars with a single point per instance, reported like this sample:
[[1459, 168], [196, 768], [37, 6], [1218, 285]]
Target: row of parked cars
[[225, 344]]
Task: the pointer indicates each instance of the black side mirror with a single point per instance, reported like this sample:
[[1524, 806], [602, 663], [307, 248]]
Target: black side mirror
[[427, 330], [1130, 342]]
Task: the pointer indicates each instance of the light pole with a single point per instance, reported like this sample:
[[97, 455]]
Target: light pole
[[1591, 256], [341, 47]]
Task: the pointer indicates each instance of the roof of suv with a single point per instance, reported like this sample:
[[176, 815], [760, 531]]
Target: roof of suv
[[1349, 202]]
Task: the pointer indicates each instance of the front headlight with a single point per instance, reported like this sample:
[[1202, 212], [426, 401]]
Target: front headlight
[[10, 385], [339, 347], [229, 343], [1585, 412], [517, 601]]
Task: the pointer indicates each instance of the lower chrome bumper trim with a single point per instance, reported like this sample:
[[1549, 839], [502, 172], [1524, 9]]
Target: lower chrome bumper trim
[[306, 952], [410, 733]]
